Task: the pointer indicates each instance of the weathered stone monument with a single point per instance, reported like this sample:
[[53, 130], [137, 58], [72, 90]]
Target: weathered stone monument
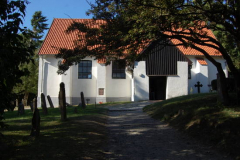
[[83, 100], [35, 131], [62, 102], [43, 104], [50, 101]]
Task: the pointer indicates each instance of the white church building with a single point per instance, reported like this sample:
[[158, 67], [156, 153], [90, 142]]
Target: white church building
[[169, 72]]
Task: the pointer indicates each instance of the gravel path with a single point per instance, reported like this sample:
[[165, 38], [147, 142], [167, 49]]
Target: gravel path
[[133, 135]]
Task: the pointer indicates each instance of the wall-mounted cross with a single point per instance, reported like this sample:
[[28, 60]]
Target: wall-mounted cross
[[198, 85]]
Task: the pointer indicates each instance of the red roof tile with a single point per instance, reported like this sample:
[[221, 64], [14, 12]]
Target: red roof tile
[[201, 61], [58, 38], [190, 51]]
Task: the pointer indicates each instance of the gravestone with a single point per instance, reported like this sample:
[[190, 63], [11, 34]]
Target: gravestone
[[62, 102], [20, 108], [34, 104], [50, 101], [43, 104], [198, 85], [35, 131], [83, 100]]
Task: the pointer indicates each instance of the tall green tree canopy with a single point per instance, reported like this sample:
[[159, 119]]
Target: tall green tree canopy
[[131, 24], [29, 81], [14, 49], [39, 24]]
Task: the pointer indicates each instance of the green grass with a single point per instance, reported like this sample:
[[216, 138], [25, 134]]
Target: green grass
[[202, 117], [80, 137]]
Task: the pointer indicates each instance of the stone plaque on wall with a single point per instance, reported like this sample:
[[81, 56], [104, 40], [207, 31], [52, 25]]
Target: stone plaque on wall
[[101, 91]]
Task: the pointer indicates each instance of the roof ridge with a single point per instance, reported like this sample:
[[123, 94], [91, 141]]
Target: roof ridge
[[76, 18]]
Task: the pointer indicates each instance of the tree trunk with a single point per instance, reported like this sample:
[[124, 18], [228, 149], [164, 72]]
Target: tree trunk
[[26, 95], [236, 75], [223, 95], [233, 69], [222, 89]]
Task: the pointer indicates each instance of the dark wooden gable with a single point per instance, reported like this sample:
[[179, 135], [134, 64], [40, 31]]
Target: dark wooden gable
[[162, 59]]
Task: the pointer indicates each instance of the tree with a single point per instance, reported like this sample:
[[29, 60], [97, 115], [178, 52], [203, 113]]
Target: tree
[[29, 81], [39, 25], [14, 50], [227, 41], [131, 24]]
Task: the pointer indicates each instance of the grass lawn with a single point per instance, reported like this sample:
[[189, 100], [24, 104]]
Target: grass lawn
[[202, 117], [80, 137]]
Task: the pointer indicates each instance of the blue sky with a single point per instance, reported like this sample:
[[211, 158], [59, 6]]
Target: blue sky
[[57, 9]]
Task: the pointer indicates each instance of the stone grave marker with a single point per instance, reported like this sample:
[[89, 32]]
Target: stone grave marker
[[50, 101], [62, 102], [43, 104], [83, 100]]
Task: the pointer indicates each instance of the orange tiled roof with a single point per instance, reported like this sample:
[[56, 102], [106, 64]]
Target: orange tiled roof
[[201, 61], [58, 38], [190, 51]]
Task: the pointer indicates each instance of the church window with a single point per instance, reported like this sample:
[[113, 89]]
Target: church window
[[85, 70], [118, 69]]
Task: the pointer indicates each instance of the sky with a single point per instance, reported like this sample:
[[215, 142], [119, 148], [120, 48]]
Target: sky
[[57, 9]]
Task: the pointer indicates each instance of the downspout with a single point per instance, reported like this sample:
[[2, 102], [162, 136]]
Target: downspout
[[42, 77], [71, 86]]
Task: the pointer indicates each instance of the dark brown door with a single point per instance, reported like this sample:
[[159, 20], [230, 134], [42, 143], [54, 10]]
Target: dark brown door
[[157, 87]]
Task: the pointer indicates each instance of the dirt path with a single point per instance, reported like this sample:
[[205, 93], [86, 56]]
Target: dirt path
[[134, 135]]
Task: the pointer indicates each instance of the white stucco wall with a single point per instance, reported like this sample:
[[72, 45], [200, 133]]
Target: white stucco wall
[[114, 89], [198, 73], [101, 83], [141, 82], [87, 86], [117, 89], [204, 74], [66, 78], [49, 82], [178, 85]]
